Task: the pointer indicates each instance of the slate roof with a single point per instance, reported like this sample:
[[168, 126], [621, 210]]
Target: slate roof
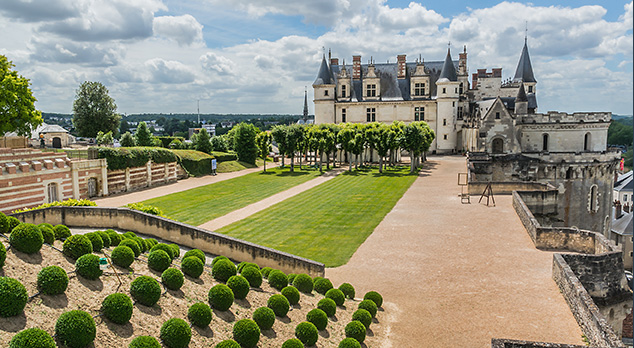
[[524, 70], [448, 70], [623, 225], [324, 77], [625, 182], [521, 94]]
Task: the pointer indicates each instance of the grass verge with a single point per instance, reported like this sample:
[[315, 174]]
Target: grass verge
[[205, 203], [327, 223], [234, 166]]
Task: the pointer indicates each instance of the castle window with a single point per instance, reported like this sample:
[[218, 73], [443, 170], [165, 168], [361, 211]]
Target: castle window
[[419, 89], [624, 198], [453, 104], [343, 91], [444, 136], [586, 142], [371, 114], [460, 113], [343, 115], [444, 90], [419, 113], [593, 204], [455, 90], [530, 89], [326, 93], [569, 173], [444, 121], [461, 88], [370, 90], [52, 192], [497, 115], [497, 146], [545, 142]]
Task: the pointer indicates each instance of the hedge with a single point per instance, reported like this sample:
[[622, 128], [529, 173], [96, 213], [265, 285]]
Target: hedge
[[165, 140], [196, 163], [128, 157], [67, 203], [224, 156]]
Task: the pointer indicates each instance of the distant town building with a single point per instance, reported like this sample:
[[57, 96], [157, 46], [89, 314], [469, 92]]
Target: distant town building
[[210, 128]]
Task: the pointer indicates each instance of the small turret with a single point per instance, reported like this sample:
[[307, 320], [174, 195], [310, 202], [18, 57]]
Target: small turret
[[521, 101]]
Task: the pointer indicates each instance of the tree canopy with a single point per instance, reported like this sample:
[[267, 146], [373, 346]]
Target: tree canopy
[[263, 140], [94, 110], [17, 104], [143, 136], [203, 143], [244, 142]]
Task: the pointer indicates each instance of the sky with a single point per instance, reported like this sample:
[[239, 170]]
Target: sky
[[258, 56]]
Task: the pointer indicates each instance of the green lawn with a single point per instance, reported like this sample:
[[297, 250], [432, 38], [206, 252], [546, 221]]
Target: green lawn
[[327, 223], [202, 204]]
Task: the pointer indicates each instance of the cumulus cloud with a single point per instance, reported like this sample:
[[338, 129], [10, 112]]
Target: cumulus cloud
[[319, 12], [169, 71], [69, 52], [38, 10], [183, 29], [219, 64]]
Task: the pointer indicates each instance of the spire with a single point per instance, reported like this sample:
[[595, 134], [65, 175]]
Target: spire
[[448, 69], [524, 71], [521, 94], [324, 77], [305, 104]]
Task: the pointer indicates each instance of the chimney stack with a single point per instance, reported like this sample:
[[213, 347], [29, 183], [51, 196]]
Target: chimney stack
[[334, 61], [401, 59], [618, 212], [497, 72], [356, 67], [462, 62], [474, 79]]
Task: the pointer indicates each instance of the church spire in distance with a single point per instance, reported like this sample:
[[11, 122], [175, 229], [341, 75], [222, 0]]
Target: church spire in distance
[[305, 105]]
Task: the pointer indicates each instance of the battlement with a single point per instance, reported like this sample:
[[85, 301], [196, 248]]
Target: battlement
[[562, 117]]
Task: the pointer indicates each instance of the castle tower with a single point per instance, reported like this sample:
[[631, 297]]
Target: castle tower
[[524, 70], [447, 91], [324, 87], [521, 101], [305, 105]]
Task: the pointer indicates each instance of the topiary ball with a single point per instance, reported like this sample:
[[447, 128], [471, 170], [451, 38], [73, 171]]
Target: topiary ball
[[197, 253], [151, 242], [52, 280], [291, 277], [264, 317], [291, 294], [375, 297], [172, 278], [4, 224], [316, 278], [369, 306], [13, 222], [75, 329], [105, 238], [247, 333], [293, 343], [115, 238], [355, 329], [158, 260], [95, 240], [117, 308], [253, 276], [3, 254], [228, 344], [327, 305], [145, 290], [337, 296], [242, 265], [145, 342], [122, 256], [176, 333], [318, 318], [61, 232], [322, 285], [13, 297], [87, 266], [47, 233], [26, 238], [220, 297], [349, 343], [129, 235], [279, 304], [176, 250], [218, 258], [277, 279], [132, 245], [348, 290], [192, 266], [32, 338], [165, 248], [199, 314], [363, 316], [307, 333], [304, 283], [222, 270], [239, 285], [265, 271], [141, 242], [76, 246]]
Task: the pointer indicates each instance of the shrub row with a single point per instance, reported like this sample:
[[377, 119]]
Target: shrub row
[[128, 157]]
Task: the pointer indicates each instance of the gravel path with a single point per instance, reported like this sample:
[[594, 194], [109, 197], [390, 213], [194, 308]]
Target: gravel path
[[457, 275]]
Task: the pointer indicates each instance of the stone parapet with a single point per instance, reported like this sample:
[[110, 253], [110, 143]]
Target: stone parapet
[[562, 117], [505, 343]]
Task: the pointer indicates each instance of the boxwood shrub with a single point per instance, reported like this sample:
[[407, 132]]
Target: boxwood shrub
[[105, 238], [122, 256], [145, 342], [158, 260], [363, 316], [304, 283], [176, 250], [130, 243], [142, 244], [218, 258], [12, 222], [322, 285], [47, 233], [337, 296], [197, 253], [355, 329], [76, 246], [176, 333], [247, 333], [13, 297], [307, 333], [349, 342], [172, 278], [26, 238], [115, 238], [166, 248], [61, 232], [75, 329], [228, 344], [4, 224], [95, 240], [348, 290], [192, 266], [199, 314], [3, 254], [151, 242], [265, 271], [239, 285], [222, 270], [145, 290], [318, 318], [375, 297], [291, 277], [117, 308], [52, 280], [241, 266], [220, 297], [264, 317], [253, 276], [128, 157], [279, 304], [291, 294], [32, 338], [369, 306], [277, 279], [327, 305], [292, 343]]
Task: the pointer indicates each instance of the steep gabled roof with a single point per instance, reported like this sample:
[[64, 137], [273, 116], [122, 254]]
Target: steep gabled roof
[[521, 94], [448, 69], [524, 71], [324, 77]]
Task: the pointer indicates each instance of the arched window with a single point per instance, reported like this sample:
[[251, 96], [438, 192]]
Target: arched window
[[545, 142], [52, 192], [586, 142], [497, 146], [593, 204]]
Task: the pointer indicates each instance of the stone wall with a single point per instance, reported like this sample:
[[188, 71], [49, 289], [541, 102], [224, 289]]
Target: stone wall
[[506, 187], [504, 343], [177, 232], [151, 174]]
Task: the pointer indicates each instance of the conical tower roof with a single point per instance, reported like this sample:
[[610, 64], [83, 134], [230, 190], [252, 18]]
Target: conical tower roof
[[324, 77], [524, 71], [448, 69], [305, 105], [521, 94]]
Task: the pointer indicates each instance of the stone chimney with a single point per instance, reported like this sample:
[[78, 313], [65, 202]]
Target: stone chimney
[[474, 79], [462, 62], [626, 207], [334, 61], [618, 208], [402, 68], [497, 72], [356, 67]]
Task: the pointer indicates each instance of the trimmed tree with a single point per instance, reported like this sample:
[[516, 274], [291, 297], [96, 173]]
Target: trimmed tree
[[143, 136], [244, 142], [203, 143], [263, 140], [279, 135], [127, 140]]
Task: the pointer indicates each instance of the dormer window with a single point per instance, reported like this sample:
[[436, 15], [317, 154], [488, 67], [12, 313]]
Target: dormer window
[[370, 90], [419, 89], [343, 91], [530, 89], [497, 115]]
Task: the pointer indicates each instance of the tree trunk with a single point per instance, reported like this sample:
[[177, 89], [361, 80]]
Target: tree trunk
[[292, 162], [349, 161], [265, 164], [380, 164], [300, 161], [356, 161], [283, 160], [327, 160], [412, 158], [321, 153]]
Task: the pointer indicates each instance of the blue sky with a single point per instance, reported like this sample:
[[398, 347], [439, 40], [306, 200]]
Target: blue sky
[[245, 56]]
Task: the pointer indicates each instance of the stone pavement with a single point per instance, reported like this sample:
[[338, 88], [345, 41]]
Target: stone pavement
[[456, 275]]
